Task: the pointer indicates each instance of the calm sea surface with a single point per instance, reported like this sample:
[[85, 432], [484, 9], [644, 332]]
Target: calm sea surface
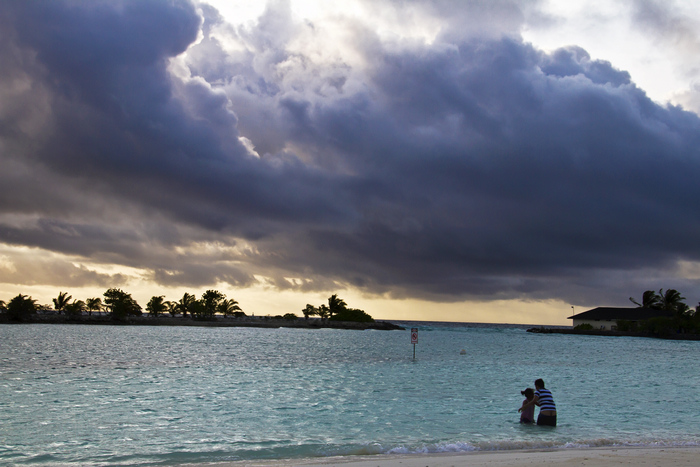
[[108, 395]]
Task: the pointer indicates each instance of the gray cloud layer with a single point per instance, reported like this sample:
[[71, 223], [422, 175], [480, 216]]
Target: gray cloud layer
[[473, 167]]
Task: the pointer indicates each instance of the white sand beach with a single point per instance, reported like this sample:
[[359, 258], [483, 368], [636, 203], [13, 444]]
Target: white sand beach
[[592, 457]]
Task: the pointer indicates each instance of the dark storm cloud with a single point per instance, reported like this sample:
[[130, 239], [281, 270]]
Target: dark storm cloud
[[115, 116], [477, 166]]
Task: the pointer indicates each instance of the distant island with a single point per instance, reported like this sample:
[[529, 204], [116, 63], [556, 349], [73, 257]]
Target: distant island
[[213, 309], [247, 321]]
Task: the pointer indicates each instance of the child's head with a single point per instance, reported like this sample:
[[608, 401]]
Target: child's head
[[529, 393]]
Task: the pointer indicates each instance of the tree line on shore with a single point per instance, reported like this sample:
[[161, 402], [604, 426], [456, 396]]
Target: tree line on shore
[[679, 319], [120, 305], [675, 316], [337, 310]]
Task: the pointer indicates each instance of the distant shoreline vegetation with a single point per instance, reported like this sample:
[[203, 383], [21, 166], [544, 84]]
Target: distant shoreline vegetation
[[676, 319], [211, 309]]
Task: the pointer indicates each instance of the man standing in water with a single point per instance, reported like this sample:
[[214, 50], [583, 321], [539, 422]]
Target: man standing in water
[[544, 400]]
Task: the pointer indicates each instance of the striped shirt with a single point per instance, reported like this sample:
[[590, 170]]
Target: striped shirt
[[545, 399]]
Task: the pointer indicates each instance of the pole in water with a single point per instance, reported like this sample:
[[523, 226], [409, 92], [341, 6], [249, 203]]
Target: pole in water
[[414, 340]]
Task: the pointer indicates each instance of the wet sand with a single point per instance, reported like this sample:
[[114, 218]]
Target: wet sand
[[591, 457]]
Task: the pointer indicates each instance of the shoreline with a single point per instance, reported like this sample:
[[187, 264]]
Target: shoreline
[[606, 333], [564, 457], [247, 321]]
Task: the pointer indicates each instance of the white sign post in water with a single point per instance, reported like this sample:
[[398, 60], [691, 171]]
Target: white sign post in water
[[414, 340]]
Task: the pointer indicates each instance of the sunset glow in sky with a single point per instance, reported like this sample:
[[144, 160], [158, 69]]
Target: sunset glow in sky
[[498, 161]]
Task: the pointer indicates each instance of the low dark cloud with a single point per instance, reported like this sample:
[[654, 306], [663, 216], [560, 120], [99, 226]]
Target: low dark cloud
[[473, 167]]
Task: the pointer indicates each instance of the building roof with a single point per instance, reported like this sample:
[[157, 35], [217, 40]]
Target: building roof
[[613, 314]]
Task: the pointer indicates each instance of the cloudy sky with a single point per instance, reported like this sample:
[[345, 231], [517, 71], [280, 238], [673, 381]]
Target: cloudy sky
[[496, 161]]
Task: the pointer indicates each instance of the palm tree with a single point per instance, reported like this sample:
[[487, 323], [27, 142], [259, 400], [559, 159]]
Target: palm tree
[[121, 304], [185, 304], [60, 302], [309, 310], [210, 302], [156, 306], [323, 312], [172, 307], [650, 299], [228, 307], [336, 305], [673, 301], [76, 308], [93, 304], [20, 307]]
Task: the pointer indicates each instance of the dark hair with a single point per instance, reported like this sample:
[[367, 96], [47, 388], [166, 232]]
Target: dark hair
[[539, 383], [528, 392]]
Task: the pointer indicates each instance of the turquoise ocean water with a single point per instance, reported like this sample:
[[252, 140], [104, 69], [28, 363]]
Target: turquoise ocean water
[[108, 395]]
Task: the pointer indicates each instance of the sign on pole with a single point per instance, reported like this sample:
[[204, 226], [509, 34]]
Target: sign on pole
[[414, 340]]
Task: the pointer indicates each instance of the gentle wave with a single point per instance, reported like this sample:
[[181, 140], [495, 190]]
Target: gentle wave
[[320, 451], [533, 445]]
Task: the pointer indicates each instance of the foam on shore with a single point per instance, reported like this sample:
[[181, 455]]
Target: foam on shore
[[591, 457]]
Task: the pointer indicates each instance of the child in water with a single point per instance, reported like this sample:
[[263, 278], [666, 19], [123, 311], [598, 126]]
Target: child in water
[[527, 413]]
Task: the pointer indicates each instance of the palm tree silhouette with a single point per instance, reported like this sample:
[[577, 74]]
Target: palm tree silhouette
[[336, 305], [93, 304], [228, 307], [185, 304], [60, 302]]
